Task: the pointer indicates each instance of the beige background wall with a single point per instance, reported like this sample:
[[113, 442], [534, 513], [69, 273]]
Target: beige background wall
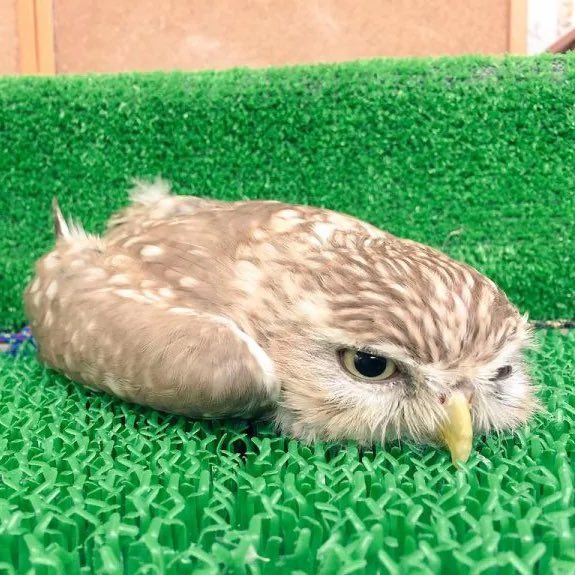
[[124, 35], [8, 38], [113, 35]]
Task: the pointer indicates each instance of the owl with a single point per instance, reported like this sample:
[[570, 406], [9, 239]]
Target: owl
[[325, 324]]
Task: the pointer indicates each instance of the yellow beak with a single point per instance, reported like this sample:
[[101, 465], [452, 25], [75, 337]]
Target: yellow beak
[[456, 431]]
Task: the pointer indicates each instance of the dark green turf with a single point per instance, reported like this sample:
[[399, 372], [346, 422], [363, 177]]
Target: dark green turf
[[476, 156], [93, 485]]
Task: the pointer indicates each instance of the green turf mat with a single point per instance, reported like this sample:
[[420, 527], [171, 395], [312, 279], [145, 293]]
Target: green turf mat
[[475, 156], [93, 485]]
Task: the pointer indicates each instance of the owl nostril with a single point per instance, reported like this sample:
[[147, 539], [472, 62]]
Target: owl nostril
[[467, 389]]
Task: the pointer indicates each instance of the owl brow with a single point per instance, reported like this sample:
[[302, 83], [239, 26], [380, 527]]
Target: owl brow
[[391, 352]]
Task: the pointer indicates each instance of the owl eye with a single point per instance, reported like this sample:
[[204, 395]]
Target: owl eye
[[502, 373], [367, 366]]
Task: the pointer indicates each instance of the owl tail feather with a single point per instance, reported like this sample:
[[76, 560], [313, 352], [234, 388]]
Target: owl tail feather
[[73, 232], [61, 228]]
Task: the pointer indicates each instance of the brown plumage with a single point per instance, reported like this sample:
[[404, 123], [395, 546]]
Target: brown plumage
[[329, 325]]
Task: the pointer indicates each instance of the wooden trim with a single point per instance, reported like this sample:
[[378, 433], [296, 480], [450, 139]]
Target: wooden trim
[[45, 37], [25, 13], [517, 43], [563, 44], [36, 36]]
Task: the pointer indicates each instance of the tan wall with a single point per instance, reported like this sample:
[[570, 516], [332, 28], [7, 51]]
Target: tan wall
[[116, 35], [8, 38], [122, 35]]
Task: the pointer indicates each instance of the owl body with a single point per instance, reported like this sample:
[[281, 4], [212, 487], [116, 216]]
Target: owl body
[[257, 308]]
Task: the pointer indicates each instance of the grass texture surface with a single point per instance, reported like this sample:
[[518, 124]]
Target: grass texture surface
[[474, 156], [93, 485]]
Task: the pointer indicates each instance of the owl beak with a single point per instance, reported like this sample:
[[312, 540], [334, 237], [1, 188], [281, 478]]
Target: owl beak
[[457, 431]]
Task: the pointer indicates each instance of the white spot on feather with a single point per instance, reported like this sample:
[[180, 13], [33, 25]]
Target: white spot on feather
[[282, 225], [119, 279], [248, 275], [120, 261], [132, 241], [151, 295], [95, 274], [314, 309], [77, 264], [182, 311], [188, 282], [51, 261], [166, 293], [52, 290], [259, 234], [48, 318], [398, 287], [323, 231], [151, 251], [131, 294], [289, 214]]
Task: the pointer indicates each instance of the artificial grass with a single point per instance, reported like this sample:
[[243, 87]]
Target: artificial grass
[[471, 155], [93, 485]]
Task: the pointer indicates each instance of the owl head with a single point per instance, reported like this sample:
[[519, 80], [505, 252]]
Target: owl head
[[374, 337]]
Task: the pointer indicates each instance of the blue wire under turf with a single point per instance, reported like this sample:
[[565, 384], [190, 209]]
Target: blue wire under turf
[[14, 343]]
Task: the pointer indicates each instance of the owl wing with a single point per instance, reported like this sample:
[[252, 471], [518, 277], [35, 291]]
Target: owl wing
[[100, 318], [178, 360]]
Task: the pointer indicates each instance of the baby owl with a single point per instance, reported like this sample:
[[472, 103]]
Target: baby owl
[[326, 324]]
